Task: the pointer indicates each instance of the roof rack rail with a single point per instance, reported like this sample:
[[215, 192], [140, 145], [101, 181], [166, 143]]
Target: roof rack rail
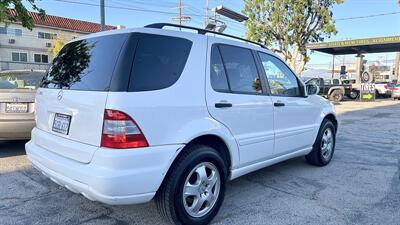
[[200, 31]]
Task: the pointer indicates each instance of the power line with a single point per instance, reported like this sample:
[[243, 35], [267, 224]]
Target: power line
[[131, 3], [235, 27], [368, 16], [120, 7], [199, 15]]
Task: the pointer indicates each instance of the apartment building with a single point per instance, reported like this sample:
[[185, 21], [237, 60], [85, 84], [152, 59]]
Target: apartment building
[[22, 49]]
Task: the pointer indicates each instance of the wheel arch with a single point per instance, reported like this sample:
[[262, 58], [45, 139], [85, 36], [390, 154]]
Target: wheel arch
[[333, 119], [212, 140], [335, 88], [216, 143]]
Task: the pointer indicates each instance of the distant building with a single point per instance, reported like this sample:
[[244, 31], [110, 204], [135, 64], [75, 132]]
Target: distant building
[[21, 48]]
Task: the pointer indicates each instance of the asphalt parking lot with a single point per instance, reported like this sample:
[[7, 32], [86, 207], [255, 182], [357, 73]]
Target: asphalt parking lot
[[360, 186]]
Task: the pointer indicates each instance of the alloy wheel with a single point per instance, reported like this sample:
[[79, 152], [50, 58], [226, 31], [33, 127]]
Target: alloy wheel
[[201, 189], [327, 144]]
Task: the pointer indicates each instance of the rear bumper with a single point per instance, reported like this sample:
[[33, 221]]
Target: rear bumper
[[396, 95], [16, 129], [385, 92], [115, 177]]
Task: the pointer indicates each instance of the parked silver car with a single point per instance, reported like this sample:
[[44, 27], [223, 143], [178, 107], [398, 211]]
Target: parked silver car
[[17, 96]]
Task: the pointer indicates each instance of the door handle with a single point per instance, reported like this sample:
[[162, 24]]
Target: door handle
[[223, 105], [279, 104]]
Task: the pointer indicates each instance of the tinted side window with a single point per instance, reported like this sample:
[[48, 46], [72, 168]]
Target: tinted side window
[[281, 80], [327, 82], [217, 73], [85, 64], [241, 69], [159, 61]]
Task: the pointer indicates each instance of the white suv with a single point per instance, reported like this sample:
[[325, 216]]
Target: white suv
[[126, 116]]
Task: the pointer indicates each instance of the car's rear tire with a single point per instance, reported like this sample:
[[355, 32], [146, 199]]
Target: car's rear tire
[[353, 95], [196, 180], [377, 95], [336, 96], [324, 145]]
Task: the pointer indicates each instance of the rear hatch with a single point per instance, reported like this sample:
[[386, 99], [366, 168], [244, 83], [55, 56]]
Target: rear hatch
[[70, 103]]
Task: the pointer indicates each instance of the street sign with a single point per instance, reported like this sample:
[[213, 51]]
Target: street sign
[[367, 92]]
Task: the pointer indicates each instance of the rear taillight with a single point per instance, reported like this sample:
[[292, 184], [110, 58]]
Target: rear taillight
[[121, 131], [386, 87]]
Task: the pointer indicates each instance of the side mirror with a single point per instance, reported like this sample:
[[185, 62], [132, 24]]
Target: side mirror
[[312, 89]]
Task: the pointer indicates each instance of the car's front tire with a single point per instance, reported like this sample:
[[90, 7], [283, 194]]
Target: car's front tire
[[324, 145], [193, 191]]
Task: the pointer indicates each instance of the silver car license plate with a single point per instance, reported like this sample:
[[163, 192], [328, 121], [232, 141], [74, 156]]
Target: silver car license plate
[[16, 107], [61, 123]]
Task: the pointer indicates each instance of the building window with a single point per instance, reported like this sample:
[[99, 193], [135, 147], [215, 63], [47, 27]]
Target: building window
[[40, 58], [19, 57], [44, 35], [10, 31]]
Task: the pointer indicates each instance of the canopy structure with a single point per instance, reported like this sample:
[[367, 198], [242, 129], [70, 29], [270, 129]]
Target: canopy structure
[[358, 46]]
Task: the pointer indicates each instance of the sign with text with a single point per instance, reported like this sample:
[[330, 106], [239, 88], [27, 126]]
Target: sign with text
[[367, 92]]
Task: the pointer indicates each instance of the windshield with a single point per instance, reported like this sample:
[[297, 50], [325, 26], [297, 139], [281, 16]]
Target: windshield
[[21, 80]]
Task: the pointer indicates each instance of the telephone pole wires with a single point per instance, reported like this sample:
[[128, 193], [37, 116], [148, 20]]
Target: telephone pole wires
[[180, 19]]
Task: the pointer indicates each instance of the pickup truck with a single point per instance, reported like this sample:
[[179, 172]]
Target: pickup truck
[[332, 89]]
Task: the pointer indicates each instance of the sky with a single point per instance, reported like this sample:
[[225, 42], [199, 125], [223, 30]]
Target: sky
[[137, 13]]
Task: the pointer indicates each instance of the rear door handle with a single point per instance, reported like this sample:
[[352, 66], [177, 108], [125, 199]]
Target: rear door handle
[[279, 104], [223, 105]]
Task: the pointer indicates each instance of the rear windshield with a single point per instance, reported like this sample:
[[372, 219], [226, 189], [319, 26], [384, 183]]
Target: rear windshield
[[147, 62], [85, 64], [22, 80]]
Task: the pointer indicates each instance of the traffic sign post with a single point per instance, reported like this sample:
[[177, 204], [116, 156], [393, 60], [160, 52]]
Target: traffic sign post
[[367, 92]]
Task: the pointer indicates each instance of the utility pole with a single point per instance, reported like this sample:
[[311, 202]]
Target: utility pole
[[180, 12], [206, 16], [396, 62], [102, 16], [396, 68], [181, 18]]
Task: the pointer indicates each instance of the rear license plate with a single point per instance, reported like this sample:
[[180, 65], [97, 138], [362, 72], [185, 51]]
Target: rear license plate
[[16, 107], [61, 123]]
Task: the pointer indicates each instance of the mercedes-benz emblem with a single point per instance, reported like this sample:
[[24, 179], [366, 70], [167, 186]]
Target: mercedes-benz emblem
[[60, 95]]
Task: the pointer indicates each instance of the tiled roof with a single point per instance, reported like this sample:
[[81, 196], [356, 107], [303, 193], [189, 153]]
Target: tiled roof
[[66, 23]]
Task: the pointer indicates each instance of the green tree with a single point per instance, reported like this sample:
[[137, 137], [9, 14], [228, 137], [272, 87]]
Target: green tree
[[57, 44], [286, 26], [20, 12]]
